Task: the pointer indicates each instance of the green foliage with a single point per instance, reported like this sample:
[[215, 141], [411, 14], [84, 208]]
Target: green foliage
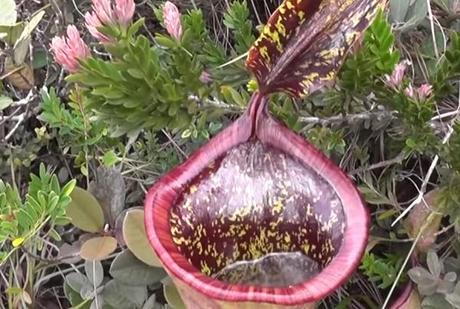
[[85, 212], [127, 286], [172, 295], [415, 115], [74, 127], [382, 271], [44, 205], [69, 123], [237, 19], [376, 57], [153, 86], [440, 287], [408, 14], [136, 239], [127, 269], [328, 140], [454, 148], [449, 68]]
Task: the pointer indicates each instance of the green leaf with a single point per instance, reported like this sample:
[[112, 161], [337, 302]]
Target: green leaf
[[68, 188], [398, 10], [454, 298], [94, 272], [166, 41], [5, 102], [433, 263], [10, 34], [13, 291], [85, 212], [54, 235], [151, 303], [110, 158], [21, 47], [127, 269], [237, 18], [77, 282], [8, 12], [417, 12], [136, 239], [172, 295], [124, 296], [98, 248], [74, 297], [40, 59]]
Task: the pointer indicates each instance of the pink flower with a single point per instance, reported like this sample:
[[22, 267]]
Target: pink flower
[[410, 92], [93, 23], [171, 17], [69, 50], [395, 79], [424, 91], [106, 14], [124, 10], [205, 77], [104, 11], [421, 93]]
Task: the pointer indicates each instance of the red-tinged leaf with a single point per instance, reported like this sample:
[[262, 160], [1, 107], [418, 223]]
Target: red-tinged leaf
[[305, 42]]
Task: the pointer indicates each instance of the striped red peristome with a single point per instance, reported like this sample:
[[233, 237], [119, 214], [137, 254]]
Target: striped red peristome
[[197, 288]]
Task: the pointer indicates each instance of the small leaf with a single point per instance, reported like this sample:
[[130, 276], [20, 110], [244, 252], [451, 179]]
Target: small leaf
[[127, 269], [18, 241], [40, 59], [454, 298], [8, 12], [94, 272], [5, 102], [85, 212], [136, 238], [98, 248], [68, 188], [172, 295], [13, 291], [74, 297], [123, 296], [436, 301], [77, 282], [21, 48], [110, 158], [398, 10], [434, 265]]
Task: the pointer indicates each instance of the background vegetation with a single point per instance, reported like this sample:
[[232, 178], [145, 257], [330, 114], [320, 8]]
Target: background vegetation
[[71, 234]]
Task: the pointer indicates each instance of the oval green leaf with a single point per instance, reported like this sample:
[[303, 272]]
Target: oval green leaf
[[127, 269], [85, 212], [94, 272], [136, 238], [124, 296], [98, 248], [5, 102], [172, 295]]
